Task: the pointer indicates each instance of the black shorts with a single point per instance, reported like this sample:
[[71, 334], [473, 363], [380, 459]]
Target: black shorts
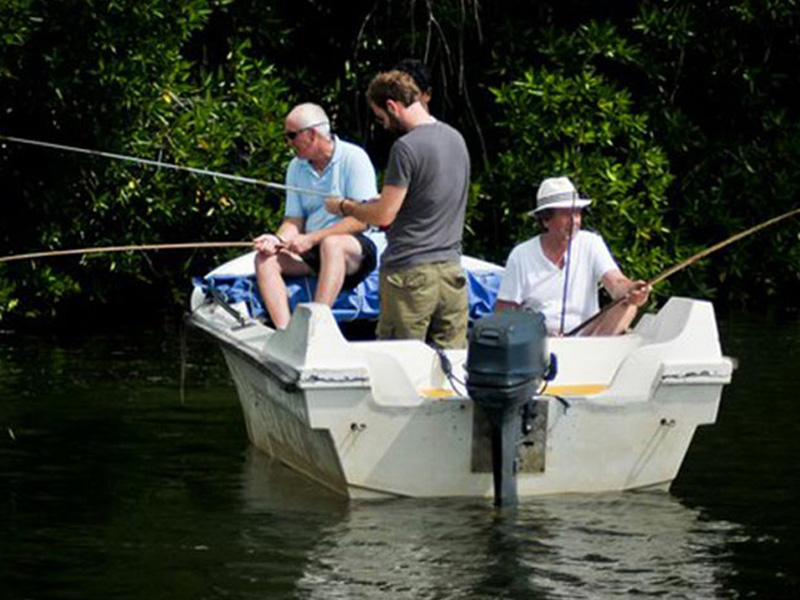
[[369, 261]]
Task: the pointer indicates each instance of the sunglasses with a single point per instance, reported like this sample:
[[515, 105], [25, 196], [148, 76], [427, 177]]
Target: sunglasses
[[291, 135]]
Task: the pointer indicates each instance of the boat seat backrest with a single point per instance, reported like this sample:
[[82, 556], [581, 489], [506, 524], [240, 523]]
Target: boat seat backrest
[[399, 369], [312, 339]]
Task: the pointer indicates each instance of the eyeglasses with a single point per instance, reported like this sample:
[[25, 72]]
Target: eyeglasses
[[291, 135]]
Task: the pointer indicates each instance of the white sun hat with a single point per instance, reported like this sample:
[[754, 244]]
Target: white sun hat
[[558, 192]]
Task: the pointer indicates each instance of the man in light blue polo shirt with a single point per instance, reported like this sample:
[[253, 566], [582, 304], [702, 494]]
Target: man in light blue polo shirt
[[311, 240]]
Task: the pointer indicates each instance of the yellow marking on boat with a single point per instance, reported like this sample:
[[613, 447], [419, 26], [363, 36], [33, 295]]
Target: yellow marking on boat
[[580, 389], [438, 393]]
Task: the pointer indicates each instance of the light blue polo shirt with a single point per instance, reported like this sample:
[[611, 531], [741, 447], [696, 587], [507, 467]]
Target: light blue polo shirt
[[348, 174]]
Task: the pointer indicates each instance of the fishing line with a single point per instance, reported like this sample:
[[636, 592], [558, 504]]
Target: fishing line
[[159, 164], [566, 264]]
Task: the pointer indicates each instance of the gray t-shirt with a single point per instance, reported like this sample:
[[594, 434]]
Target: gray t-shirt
[[432, 162]]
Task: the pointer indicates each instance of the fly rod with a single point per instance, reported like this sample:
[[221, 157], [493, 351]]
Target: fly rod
[[159, 164], [142, 247], [689, 261]]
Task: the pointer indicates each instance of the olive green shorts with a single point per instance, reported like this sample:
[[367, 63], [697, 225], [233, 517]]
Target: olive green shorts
[[425, 302]]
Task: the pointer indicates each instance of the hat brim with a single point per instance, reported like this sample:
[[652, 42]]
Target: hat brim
[[577, 203]]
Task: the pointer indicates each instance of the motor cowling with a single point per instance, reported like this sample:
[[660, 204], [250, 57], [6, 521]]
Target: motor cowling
[[507, 362], [507, 349]]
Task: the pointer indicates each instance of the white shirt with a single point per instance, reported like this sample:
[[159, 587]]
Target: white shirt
[[532, 280]]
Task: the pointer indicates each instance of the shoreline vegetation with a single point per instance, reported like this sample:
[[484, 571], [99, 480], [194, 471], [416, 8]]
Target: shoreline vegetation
[[679, 121]]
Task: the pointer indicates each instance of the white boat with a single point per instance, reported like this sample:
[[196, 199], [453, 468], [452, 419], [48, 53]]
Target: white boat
[[382, 418]]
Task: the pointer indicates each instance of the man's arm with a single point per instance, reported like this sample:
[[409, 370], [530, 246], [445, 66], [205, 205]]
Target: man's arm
[[617, 319], [619, 286], [272, 243], [303, 242], [291, 228], [380, 211]]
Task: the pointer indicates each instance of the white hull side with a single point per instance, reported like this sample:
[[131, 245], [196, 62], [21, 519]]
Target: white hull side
[[277, 423], [380, 418]]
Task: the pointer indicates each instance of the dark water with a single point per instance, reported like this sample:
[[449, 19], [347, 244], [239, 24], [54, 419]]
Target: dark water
[[112, 487]]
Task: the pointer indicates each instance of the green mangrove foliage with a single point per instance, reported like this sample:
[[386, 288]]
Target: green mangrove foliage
[[677, 118], [584, 127], [116, 79]]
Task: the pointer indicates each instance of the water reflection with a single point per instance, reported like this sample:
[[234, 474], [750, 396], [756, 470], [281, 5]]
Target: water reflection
[[560, 547], [110, 487]]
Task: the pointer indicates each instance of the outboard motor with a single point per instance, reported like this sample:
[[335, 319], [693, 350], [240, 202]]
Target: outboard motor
[[506, 364]]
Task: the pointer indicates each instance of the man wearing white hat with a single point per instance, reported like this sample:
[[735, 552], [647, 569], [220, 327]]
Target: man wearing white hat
[[557, 272]]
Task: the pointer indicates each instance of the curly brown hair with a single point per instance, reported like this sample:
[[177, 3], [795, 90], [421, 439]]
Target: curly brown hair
[[393, 85]]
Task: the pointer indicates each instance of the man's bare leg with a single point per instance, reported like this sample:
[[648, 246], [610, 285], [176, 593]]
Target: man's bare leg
[[270, 271], [340, 255], [615, 321]]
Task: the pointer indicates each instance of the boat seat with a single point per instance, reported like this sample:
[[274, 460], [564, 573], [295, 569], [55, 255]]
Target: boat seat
[[401, 370]]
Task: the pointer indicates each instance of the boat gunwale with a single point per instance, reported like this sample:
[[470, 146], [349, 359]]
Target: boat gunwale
[[286, 376]]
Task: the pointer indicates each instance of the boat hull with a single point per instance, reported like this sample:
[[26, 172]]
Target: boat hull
[[380, 418]]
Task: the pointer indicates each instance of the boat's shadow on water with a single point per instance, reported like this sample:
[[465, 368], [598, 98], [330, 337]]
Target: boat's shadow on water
[[599, 546]]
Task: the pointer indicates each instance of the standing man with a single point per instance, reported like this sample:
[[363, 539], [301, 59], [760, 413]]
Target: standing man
[[536, 270], [423, 288], [421, 76], [310, 240]]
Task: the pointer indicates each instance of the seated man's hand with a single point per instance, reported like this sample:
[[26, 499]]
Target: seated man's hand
[[638, 293], [300, 244], [332, 204], [268, 243]]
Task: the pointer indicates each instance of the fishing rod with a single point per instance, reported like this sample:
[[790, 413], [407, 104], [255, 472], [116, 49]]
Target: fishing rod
[[685, 263], [141, 247], [159, 164]]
